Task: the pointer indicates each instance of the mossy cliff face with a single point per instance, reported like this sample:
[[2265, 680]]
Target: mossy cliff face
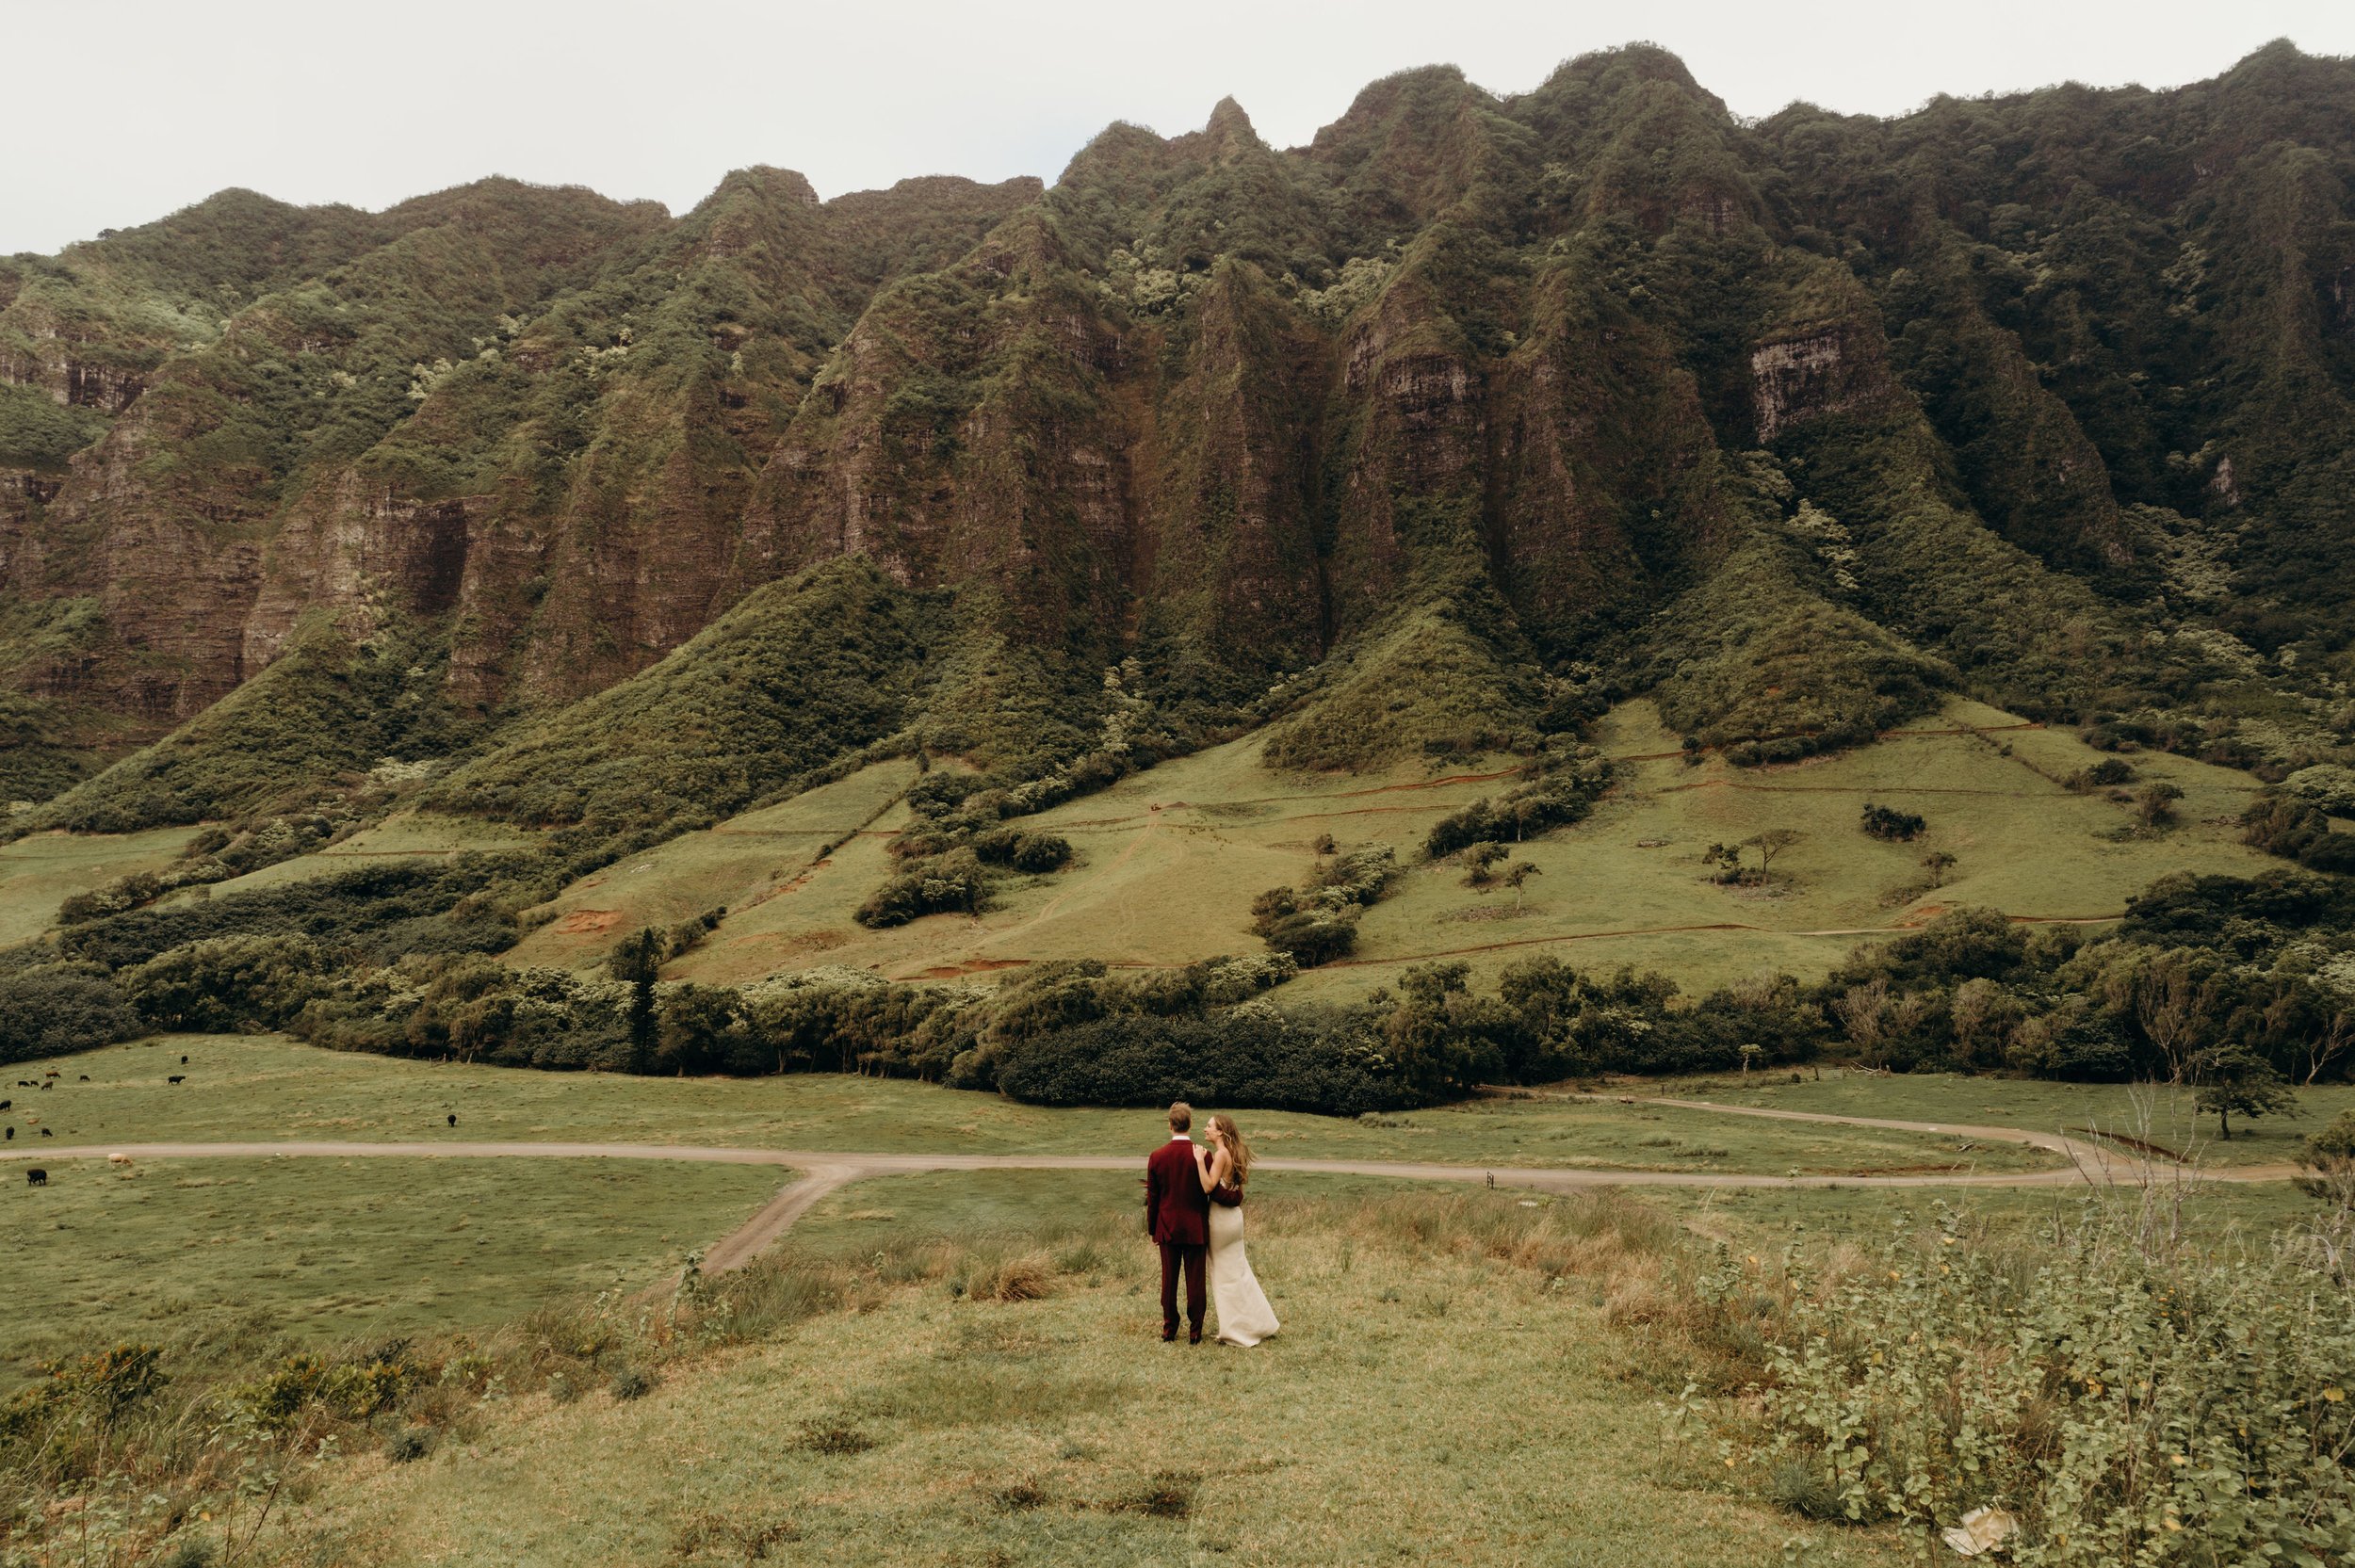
[[1593, 387]]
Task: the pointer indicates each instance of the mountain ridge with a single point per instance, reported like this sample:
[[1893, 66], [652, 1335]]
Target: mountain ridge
[[1885, 405]]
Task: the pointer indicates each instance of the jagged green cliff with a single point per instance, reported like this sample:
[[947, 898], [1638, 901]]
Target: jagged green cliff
[[1429, 437]]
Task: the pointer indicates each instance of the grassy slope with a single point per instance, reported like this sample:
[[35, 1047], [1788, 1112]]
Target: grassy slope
[[742, 864], [407, 835], [268, 1086], [341, 1249], [1167, 861], [1367, 1430], [38, 873]]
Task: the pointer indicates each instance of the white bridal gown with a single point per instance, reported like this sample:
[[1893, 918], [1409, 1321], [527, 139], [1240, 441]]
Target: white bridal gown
[[1243, 1315]]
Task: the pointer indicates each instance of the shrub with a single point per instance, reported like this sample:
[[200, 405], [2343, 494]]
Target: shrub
[[1033, 853], [2108, 773], [409, 1445], [632, 1382], [1563, 789], [2115, 1400], [953, 882], [1248, 1056], [1887, 822], [53, 1008], [2284, 825], [1037, 853], [228, 982]]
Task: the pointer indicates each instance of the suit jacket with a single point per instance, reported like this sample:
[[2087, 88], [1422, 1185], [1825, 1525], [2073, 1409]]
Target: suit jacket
[[1176, 1210]]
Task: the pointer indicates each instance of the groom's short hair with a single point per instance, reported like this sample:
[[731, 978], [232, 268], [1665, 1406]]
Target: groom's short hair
[[1181, 1117]]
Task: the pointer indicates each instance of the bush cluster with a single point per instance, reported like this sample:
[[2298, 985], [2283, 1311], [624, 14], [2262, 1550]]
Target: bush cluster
[[1560, 787], [2284, 825], [1888, 824], [1319, 923], [2112, 1397]]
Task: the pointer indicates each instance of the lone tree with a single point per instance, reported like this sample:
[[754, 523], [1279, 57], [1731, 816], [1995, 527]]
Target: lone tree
[[1938, 862], [1773, 841], [637, 961], [1517, 877], [1478, 858], [2235, 1079]]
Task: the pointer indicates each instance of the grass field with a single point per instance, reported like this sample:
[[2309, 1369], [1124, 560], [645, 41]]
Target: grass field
[[2159, 1116], [1425, 1403], [330, 1249], [269, 1087], [39, 872]]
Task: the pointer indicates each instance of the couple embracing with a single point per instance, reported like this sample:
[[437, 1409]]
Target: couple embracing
[[1194, 1211]]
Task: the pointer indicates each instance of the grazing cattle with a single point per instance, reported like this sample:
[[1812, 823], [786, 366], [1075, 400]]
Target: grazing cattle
[[35, 1178], [177, 1078], [11, 1138], [184, 1061], [453, 1119], [47, 1133], [117, 1159], [6, 1104], [85, 1077]]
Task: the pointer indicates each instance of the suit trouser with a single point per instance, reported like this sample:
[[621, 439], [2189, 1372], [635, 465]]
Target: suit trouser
[[1194, 1256]]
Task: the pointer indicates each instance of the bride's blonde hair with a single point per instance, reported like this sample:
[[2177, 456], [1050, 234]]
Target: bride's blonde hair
[[1222, 1129]]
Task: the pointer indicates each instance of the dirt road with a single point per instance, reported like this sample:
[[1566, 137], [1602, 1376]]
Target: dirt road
[[824, 1170]]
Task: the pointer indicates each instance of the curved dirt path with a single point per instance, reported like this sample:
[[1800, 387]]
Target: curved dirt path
[[824, 1170]]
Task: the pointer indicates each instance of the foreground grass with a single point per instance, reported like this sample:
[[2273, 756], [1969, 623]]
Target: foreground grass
[[269, 1087], [1460, 1378], [318, 1250]]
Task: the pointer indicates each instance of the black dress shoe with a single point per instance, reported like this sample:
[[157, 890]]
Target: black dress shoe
[[1169, 1336], [1195, 1338]]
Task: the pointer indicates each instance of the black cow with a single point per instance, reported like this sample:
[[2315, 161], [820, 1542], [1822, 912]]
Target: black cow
[[184, 1061], [6, 1104], [177, 1078], [453, 1119], [35, 1178], [85, 1077], [47, 1133], [11, 1138]]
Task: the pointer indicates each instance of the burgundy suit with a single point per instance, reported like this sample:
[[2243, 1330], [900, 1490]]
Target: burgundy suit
[[1178, 1217]]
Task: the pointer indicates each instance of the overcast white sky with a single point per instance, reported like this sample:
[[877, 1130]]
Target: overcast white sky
[[121, 112]]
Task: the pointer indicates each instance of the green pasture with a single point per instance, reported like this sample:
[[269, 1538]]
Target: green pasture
[[341, 1249], [42, 870], [240, 1087], [2164, 1117]]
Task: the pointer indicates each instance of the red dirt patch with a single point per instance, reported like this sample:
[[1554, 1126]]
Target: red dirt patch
[[974, 966], [588, 922]]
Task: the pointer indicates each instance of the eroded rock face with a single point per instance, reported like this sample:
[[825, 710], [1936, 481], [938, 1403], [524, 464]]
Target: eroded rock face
[[1200, 389], [1830, 369], [354, 553]]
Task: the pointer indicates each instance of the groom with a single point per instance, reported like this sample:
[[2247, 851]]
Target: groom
[[1178, 1218]]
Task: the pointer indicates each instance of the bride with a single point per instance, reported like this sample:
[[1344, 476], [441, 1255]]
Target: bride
[[1243, 1315]]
